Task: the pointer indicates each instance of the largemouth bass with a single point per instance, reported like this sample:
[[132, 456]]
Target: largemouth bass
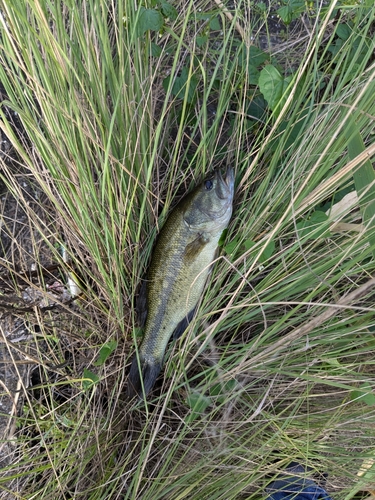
[[180, 265]]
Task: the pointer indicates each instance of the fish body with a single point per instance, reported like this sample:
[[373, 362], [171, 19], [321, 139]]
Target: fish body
[[180, 265]]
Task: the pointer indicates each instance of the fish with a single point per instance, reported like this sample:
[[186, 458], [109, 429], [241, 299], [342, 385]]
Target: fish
[[180, 265]]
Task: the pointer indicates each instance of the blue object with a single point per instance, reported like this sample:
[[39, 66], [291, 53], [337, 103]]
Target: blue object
[[290, 487]]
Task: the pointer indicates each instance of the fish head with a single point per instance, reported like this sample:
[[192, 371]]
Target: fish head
[[209, 207]]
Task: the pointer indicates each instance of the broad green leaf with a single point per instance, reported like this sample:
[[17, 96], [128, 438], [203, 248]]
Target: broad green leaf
[[252, 56], [257, 56], [262, 7], [292, 10], [285, 14], [314, 227], [253, 73], [236, 248], [273, 85], [336, 46], [215, 23], [365, 394], [364, 179], [292, 131], [105, 351], [90, 379], [149, 19], [201, 40], [231, 246], [198, 403], [222, 237], [298, 6], [257, 108], [220, 391], [343, 31], [155, 50], [169, 11], [333, 362], [181, 83], [138, 332], [267, 252]]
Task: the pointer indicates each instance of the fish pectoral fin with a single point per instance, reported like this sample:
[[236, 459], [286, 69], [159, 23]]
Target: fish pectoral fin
[[195, 247], [148, 372]]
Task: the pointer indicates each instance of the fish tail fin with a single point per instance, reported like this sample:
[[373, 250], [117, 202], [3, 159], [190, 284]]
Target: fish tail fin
[[147, 371]]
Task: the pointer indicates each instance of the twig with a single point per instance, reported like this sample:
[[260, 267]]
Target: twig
[[237, 25]]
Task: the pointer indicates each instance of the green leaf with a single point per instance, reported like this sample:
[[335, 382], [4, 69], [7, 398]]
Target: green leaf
[[257, 56], [181, 83], [169, 11], [273, 86], [247, 244], [138, 332], [364, 393], [262, 7], [297, 6], [336, 46], [251, 57], [241, 247], [222, 237], [314, 227], [333, 362], [236, 249], [105, 351], [215, 23], [253, 73], [292, 130], [90, 379], [267, 252], [257, 108], [220, 391], [149, 19], [292, 10], [364, 179], [198, 403], [285, 13], [155, 50], [231, 246], [201, 40], [343, 31]]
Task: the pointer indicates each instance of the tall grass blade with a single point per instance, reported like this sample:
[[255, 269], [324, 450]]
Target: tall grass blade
[[364, 180]]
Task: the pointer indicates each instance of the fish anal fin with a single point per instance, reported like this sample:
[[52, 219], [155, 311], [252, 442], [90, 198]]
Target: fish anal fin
[[183, 324], [148, 372], [141, 304]]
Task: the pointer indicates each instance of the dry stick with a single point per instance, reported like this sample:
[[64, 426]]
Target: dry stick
[[28, 358], [315, 322], [237, 25], [311, 199]]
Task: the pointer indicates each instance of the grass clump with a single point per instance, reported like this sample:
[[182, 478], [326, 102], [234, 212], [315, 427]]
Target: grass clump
[[121, 110]]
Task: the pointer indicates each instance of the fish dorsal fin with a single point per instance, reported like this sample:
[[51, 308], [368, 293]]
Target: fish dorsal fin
[[195, 247]]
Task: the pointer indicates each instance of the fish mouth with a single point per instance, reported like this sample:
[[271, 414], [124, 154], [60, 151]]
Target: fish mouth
[[225, 186]]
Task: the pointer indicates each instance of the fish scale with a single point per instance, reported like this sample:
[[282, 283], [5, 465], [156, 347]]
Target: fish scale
[[180, 265]]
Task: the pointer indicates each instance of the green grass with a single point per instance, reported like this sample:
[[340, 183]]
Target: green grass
[[264, 374]]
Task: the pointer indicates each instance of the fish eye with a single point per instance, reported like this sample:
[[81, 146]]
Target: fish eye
[[208, 185]]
